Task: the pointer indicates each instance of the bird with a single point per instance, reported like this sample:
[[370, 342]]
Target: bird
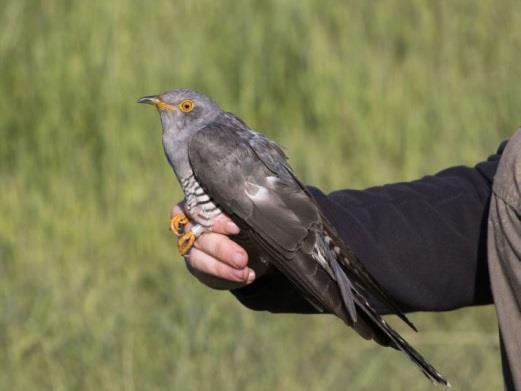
[[223, 166]]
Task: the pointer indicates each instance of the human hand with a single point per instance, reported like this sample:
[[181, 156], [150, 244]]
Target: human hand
[[216, 260]]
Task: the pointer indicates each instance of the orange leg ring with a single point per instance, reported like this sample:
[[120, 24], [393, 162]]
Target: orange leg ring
[[177, 223], [185, 242]]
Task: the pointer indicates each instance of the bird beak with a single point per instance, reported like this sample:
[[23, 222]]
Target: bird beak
[[149, 100], [156, 101]]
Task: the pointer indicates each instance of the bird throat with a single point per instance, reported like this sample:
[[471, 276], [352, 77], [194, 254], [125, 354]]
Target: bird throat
[[175, 145]]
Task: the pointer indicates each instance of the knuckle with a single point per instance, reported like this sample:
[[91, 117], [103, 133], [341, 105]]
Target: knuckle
[[202, 242], [222, 248], [221, 271], [225, 272], [216, 249]]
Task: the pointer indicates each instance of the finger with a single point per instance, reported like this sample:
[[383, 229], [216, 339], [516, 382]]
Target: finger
[[223, 248], [207, 264], [215, 282], [224, 225], [176, 210]]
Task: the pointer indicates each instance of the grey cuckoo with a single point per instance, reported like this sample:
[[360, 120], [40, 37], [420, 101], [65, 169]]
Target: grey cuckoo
[[225, 167]]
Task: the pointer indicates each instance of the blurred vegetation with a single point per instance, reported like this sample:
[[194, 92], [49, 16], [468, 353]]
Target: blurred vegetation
[[92, 293]]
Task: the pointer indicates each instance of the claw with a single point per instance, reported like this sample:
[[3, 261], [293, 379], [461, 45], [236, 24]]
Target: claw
[[185, 242], [177, 223]]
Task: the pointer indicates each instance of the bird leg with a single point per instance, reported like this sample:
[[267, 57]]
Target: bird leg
[[185, 242], [186, 237], [177, 224]]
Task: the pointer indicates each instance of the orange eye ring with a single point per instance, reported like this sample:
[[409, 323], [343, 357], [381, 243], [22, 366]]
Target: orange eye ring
[[186, 106]]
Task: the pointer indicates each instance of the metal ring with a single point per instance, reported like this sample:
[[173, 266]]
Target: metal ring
[[197, 230]]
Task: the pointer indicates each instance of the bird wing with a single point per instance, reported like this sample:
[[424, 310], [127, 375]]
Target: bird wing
[[256, 188], [275, 160], [249, 177]]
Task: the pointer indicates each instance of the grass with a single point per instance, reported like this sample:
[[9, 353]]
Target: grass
[[92, 293]]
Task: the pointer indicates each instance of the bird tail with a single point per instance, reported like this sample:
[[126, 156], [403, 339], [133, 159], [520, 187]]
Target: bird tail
[[397, 342], [360, 315], [355, 270]]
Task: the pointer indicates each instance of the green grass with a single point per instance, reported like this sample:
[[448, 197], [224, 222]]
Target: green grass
[[92, 293]]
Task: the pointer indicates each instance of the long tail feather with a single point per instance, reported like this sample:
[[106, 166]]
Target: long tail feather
[[357, 272], [399, 343]]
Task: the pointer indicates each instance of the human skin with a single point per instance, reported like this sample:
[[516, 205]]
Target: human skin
[[216, 260]]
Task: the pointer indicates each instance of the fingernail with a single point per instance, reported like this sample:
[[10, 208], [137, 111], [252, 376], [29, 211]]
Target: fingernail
[[251, 276], [232, 228], [238, 259]]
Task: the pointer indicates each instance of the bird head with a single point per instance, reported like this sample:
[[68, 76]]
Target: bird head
[[183, 109], [183, 112]]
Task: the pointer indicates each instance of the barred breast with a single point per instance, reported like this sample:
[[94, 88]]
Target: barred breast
[[199, 206]]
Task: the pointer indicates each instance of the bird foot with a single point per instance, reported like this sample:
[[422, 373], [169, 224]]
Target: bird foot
[[185, 242], [177, 224]]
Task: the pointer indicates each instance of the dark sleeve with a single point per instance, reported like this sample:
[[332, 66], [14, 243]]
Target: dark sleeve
[[424, 241]]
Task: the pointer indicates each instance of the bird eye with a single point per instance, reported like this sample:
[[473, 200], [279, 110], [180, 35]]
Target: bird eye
[[186, 106]]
